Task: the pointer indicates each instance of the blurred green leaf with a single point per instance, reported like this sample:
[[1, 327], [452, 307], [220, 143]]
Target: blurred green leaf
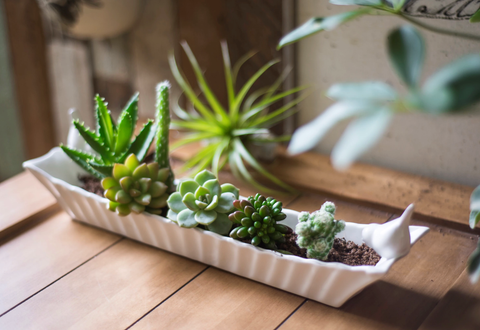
[[132, 109], [101, 168], [93, 141], [473, 265], [458, 82], [475, 18], [407, 51], [474, 218], [104, 122], [475, 199], [307, 136], [124, 134], [317, 24], [398, 4], [357, 2], [81, 159], [369, 90], [141, 143], [227, 67], [360, 135]]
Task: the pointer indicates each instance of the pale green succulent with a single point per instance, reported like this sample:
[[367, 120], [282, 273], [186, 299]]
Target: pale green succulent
[[203, 201]]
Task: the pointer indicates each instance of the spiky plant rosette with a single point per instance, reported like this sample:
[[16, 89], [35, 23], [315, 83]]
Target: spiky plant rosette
[[203, 201], [316, 231], [228, 129], [136, 187], [257, 220], [113, 142]]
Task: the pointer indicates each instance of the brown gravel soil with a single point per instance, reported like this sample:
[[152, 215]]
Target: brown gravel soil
[[345, 252], [91, 184]]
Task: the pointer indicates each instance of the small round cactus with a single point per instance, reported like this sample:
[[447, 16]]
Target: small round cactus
[[136, 187], [257, 218], [316, 232], [203, 201]]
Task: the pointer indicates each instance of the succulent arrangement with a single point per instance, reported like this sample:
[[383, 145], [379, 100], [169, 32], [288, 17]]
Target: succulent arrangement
[[203, 201], [112, 142], [135, 187], [256, 219], [228, 129], [316, 231]]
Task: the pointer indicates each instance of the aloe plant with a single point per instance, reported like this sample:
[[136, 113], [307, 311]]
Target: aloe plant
[[113, 142], [227, 129]]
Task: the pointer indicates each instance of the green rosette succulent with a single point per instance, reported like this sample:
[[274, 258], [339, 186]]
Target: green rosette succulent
[[257, 219], [136, 187], [202, 201], [316, 232]]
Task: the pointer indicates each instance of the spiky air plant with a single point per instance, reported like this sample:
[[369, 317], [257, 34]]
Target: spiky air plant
[[136, 187], [112, 142], [227, 129]]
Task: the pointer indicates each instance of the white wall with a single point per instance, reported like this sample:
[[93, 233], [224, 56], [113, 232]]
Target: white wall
[[444, 147]]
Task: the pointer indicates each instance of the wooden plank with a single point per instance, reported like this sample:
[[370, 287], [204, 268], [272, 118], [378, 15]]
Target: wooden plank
[[458, 309], [29, 62], [406, 296], [41, 255], [220, 300], [111, 291], [436, 200], [11, 135], [23, 199]]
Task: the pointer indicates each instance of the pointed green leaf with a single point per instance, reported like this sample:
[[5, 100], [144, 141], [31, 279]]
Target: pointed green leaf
[[132, 109], [141, 171], [157, 189], [172, 215], [132, 162], [213, 186], [104, 122], [158, 202], [124, 133], [144, 199], [228, 73], [318, 24], [474, 218], [407, 51], [175, 202], [360, 136], [213, 204], [108, 183], [93, 141], [142, 142], [205, 217], [81, 160], [221, 225], [120, 171], [237, 66], [201, 191], [104, 169], [186, 219]]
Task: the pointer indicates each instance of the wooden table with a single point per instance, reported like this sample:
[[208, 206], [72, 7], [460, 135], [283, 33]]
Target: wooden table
[[56, 273]]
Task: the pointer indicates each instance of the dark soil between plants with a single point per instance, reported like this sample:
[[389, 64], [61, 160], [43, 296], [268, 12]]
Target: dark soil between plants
[[345, 252]]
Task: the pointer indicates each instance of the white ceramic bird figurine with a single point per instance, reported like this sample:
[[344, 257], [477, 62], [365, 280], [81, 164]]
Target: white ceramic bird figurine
[[391, 239]]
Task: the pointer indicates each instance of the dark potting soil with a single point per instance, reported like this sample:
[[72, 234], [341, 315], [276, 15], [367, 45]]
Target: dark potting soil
[[345, 252]]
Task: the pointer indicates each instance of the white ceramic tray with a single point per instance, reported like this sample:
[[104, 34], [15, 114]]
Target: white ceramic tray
[[328, 283]]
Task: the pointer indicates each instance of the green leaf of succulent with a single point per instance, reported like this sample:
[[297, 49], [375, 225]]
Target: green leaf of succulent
[[104, 123], [120, 170], [368, 91], [213, 187], [157, 189], [189, 201], [225, 202], [126, 183], [221, 225], [228, 187], [360, 136], [204, 176], [112, 206], [145, 184], [142, 142], [93, 141], [187, 186], [123, 209], [108, 183], [132, 162], [475, 199], [474, 218], [163, 174], [158, 202], [141, 172], [110, 193], [475, 18], [144, 199], [124, 133], [205, 217], [134, 192], [172, 215], [213, 204], [407, 51], [201, 191], [122, 197], [201, 205], [153, 170], [137, 208], [318, 24], [80, 159], [307, 136], [131, 109], [186, 218], [101, 168], [175, 202]]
